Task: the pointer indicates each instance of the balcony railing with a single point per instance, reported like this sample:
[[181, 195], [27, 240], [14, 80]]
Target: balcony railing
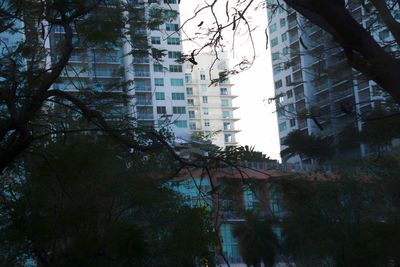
[[142, 73], [143, 102], [299, 96], [145, 116], [143, 88], [140, 60], [104, 73]]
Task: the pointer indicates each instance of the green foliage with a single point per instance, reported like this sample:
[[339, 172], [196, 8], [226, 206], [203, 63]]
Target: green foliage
[[312, 146], [85, 202], [257, 241], [344, 221], [380, 128]]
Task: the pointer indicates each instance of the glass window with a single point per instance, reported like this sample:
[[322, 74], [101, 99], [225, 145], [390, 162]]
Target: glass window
[[202, 76], [191, 114], [180, 123], [272, 28], [173, 41], [288, 80], [161, 110], [203, 87], [227, 126], [282, 22], [190, 102], [205, 111], [226, 114], [178, 96], [223, 91], [188, 78], [174, 54], [281, 112], [207, 123], [291, 107], [159, 81], [155, 40], [189, 90], [179, 110], [285, 51], [275, 56], [176, 82], [175, 68], [278, 84], [160, 96], [282, 126], [158, 68], [228, 138], [192, 125], [274, 42], [277, 69], [284, 37], [225, 102], [205, 99], [292, 122], [171, 27], [289, 94]]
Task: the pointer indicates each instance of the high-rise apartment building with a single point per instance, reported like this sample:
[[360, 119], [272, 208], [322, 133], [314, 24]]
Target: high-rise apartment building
[[209, 100], [316, 90], [156, 88]]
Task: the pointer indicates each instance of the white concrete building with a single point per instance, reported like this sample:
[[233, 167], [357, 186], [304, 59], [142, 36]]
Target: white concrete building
[[210, 107], [156, 89]]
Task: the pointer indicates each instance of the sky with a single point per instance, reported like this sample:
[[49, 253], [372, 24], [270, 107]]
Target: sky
[[258, 123]]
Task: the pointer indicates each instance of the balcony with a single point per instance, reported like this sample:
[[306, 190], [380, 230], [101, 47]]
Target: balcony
[[144, 102], [292, 23], [143, 88], [321, 87], [299, 96], [142, 73], [109, 73], [145, 116], [141, 60], [302, 124], [75, 58], [140, 31]]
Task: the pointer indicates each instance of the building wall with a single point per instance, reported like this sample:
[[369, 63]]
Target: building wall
[[210, 104]]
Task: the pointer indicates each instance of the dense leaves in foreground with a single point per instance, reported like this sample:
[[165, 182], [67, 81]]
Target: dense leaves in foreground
[[84, 203], [346, 220]]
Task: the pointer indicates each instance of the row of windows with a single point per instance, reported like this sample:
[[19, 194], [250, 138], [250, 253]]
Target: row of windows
[[175, 110], [279, 84], [224, 102], [175, 96], [273, 27], [283, 125], [171, 27], [225, 114], [170, 40], [173, 82], [188, 77], [206, 123]]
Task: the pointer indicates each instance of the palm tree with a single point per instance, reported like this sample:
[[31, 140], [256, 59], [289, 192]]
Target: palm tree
[[257, 241]]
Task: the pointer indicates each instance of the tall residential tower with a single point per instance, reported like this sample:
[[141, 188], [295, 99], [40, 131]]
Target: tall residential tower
[[316, 91], [209, 100]]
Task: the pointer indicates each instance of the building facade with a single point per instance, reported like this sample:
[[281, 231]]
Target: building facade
[[209, 100], [316, 90], [154, 87], [228, 207]]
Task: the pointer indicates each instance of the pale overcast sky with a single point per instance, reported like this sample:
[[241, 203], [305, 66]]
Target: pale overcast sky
[[258, 123]]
